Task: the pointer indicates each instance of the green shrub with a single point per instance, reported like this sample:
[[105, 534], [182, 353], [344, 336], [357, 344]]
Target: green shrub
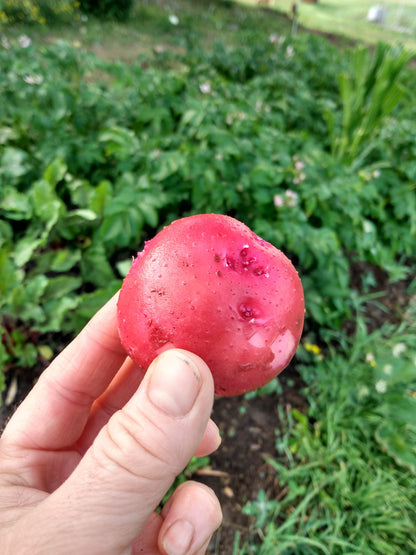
[[38, 11], [108, 9]]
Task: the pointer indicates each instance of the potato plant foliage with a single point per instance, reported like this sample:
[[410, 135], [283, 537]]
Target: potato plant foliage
[[96, 156]]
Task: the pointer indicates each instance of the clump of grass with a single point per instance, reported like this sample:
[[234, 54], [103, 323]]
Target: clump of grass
[[349, 467]]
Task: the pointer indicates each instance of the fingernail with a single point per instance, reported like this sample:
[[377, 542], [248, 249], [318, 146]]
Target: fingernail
[[174, 383], [178, 538]]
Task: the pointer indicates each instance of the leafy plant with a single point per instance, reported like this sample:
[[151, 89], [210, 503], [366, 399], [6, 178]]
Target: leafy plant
[[349, 465], [370, 91], [89, 167], [38, 11]]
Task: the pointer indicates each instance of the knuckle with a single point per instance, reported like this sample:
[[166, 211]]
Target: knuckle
[[134, 445]]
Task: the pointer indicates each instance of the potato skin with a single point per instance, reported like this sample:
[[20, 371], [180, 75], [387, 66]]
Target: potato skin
[[209, 285]]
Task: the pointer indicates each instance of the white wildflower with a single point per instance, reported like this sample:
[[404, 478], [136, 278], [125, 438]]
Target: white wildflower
[[273, 38], [5, 43], [299, 165], [290, 51], [33, 79], [24, 41], [299, 178], [376, 174], [278, 201], [368, 226], [205, 88], [174, 20], [363, 392], [399, 349], [369, 358], [388, 369], [381, 386], [291, 197]]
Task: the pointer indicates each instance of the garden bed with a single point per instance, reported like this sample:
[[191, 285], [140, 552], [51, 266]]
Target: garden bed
[[311, 146]]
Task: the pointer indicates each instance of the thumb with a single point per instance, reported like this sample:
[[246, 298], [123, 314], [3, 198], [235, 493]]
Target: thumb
[[135, 457]]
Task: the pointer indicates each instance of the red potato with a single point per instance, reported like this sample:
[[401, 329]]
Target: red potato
[[209, 285]]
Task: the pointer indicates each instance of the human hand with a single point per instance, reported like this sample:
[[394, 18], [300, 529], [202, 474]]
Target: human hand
[[92, 450]]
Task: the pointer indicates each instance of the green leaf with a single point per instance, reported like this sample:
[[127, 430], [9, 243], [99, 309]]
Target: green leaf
[[57, 310], [13, 162], [167, 164], [123, 267], [61, 286], [15, 205], [6, 233], [95, 267], [24, 353], [90, 303], [35, 288], [61, 260], [397, 433], [9, 277], [64, 260], [46, 203], [119, 142], [55, 172], [100, 196], [25, 249]]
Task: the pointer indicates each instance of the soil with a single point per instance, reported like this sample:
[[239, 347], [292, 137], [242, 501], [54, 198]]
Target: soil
[[239, 469]]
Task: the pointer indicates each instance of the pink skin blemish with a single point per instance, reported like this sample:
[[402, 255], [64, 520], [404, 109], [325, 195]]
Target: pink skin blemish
[[283, 348], [257, 339]]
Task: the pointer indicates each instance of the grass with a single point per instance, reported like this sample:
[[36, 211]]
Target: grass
[[344, 494], [150, 27], [349, 19], [233, 22]]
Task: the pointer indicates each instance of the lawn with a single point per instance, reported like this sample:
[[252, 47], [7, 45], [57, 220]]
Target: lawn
[[349, 19], [151, 27], [110, 130]]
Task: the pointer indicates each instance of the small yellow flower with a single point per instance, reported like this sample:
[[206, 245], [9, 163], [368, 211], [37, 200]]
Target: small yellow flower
[[369, 358], [312, 348]]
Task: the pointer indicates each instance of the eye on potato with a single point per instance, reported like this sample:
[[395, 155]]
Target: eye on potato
[[210, 285]]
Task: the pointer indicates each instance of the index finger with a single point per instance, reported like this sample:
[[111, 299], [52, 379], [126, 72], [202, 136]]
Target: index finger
[[55, 412]]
